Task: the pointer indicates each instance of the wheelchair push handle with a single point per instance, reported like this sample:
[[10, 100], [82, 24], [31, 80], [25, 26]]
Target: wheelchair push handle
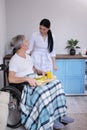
[[3, 67]]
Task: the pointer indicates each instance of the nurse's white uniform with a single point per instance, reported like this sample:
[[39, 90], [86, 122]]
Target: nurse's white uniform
[[39, 52]]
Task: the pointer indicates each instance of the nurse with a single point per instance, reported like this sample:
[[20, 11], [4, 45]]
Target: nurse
[[42, 48]]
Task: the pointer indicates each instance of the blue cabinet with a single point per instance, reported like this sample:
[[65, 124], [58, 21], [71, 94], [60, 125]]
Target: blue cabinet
[[71, 73]]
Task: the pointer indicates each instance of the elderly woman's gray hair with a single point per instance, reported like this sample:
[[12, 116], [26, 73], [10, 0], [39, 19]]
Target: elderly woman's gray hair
[[16, 42]]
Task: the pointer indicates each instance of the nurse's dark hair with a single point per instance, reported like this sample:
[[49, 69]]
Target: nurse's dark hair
[[46, 23], [16, 42]]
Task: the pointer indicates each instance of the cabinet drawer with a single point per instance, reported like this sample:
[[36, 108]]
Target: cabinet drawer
[[75, 67], [74, 85], [71, 73], [61, 65]]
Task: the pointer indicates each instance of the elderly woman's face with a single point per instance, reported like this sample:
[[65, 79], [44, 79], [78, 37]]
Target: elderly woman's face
[[25, 45], [43, 30]]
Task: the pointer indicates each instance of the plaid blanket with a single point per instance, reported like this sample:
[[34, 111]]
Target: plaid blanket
[[42, 105]]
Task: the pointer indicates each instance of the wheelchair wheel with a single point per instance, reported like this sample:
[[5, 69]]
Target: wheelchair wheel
[[14, 118]]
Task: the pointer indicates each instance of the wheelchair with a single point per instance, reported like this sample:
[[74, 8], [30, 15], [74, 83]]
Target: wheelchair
[[15, 91]]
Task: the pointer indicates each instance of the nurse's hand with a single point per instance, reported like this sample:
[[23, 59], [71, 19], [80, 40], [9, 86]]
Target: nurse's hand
[[39, 72], [55, 67], [32, 82]]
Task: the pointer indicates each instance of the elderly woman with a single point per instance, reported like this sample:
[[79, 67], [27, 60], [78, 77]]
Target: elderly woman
[[42, 107]]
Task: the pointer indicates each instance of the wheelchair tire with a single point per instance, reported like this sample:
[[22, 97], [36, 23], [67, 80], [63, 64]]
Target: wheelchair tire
[[16, 95]]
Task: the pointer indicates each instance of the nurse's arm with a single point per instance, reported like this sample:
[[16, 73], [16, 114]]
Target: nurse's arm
[[54, 63]]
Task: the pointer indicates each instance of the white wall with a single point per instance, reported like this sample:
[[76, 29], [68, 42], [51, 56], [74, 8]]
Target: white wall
[[2, 35], [2, 29], [68, 18]]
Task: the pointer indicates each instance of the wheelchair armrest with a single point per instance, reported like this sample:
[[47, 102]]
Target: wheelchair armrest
[[19, 86]]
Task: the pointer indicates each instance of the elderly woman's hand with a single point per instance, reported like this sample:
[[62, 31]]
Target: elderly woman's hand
[[31, 81]]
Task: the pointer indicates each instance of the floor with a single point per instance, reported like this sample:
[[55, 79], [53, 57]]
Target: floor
[[77, 108]]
